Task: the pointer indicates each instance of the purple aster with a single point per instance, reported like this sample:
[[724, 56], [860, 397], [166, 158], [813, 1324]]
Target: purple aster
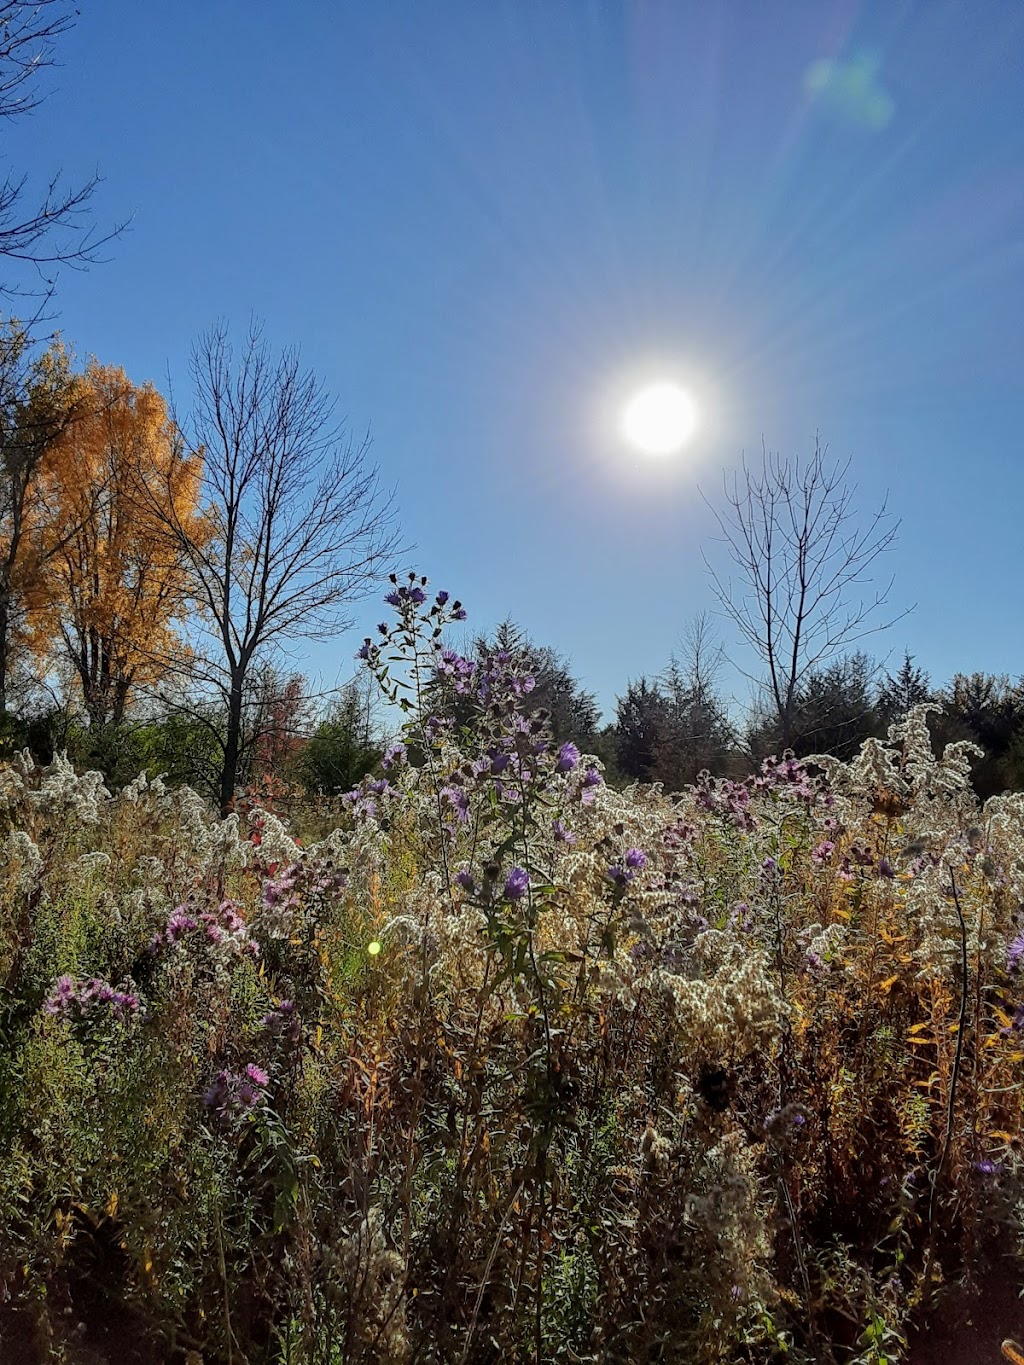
[[1015, 952], [179, 923], [620, 876], [459, 614], [517, 884], [394, 599], [568, 758], [442, 598], [822, 852], [465, 880], [363, 652], [217, 1093], [256, 1074], [458, 800], [635, 859], [394, 757], [562, 835]]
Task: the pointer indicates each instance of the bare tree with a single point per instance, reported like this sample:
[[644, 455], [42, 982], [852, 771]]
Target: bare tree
[[297, 526], [52, 227], [801, 590]]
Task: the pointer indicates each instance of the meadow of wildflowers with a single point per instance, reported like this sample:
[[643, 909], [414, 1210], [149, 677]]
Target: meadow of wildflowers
[[509, 1065]]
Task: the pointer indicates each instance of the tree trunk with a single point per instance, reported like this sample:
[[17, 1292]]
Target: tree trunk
[[232, 748], [5, 630]]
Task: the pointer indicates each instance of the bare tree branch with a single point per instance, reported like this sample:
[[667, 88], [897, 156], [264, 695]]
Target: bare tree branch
[[298, 526], [803, 589]]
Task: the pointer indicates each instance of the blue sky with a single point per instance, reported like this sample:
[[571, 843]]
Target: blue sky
[[486, 222]]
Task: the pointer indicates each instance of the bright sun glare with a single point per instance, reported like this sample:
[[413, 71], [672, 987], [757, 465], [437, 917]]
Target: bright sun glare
[[660, 419]]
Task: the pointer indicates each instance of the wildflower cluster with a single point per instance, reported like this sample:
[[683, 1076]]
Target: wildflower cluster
[[232, 1094], [76, 999], [223, 929]]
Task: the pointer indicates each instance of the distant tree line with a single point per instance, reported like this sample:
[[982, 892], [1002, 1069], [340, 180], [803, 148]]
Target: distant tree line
[[151, 568]]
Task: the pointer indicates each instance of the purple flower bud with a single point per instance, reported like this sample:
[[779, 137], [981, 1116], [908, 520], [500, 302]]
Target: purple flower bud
[[442, 598]]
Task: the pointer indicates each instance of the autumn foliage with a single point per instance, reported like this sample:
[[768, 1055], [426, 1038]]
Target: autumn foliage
[[114, 585]]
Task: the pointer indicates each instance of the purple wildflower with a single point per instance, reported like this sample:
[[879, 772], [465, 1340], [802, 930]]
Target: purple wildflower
[[1015, 952], [442, 598], [821, 853], [465, 880], [636, 859], [561, 834], [459, 802], [78, 998], [568, 758], [516, 884]]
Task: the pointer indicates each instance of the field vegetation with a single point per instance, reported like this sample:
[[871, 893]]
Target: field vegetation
[[509, 1063]]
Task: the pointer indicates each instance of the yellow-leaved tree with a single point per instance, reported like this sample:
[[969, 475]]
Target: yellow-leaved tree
[[117, 583], [37, 402]]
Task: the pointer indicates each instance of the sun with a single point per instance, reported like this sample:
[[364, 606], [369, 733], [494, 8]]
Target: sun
[[660, 419]]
